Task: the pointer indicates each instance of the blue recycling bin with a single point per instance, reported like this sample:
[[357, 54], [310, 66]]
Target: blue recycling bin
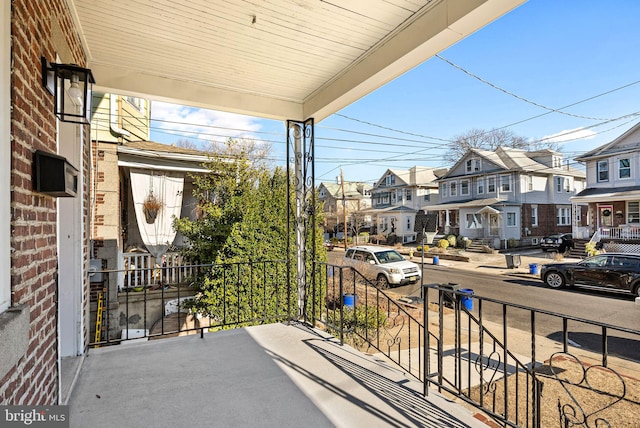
[[436, 260], [465, 298], [349, 300], [534, 269]]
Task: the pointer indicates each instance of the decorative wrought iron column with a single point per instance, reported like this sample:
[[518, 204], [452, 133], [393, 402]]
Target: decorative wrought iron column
[[300, 139]]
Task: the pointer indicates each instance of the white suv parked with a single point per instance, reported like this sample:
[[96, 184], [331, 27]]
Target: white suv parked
[[385, 264]]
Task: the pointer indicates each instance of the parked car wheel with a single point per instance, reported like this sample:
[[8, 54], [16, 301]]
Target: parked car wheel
[[383, 282], [554, 279], [636, 287]]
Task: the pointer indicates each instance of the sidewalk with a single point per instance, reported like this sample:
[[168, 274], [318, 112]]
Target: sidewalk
[[496, 263]]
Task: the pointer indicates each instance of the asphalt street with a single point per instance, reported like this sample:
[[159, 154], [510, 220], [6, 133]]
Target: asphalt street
[[521, 288]]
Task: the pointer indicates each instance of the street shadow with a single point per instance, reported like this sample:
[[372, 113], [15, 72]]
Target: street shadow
[[596, 292], [620, 347]]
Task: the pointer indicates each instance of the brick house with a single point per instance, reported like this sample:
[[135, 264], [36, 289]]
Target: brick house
[[120, 241], [509, 194], [44, 245]]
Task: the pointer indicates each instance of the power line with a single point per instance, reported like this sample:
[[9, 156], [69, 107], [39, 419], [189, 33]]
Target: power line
[[521, 98]]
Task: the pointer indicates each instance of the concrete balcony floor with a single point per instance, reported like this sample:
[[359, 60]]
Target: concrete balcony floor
[[274, 375]]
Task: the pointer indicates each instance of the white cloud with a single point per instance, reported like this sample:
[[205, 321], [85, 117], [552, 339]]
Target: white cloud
[[570, 135], [200, 125]]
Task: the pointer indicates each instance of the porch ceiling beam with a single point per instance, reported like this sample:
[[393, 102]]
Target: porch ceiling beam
[[112, 79]]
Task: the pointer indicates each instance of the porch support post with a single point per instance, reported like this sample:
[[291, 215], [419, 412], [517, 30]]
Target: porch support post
[[300, 137]]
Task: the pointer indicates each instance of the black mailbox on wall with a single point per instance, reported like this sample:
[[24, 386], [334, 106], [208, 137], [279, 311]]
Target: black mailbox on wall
[[54, 175]]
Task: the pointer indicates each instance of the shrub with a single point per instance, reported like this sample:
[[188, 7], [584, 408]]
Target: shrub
[[463, 242], [590, 249], [359, 323], [452, 240], [512, 243], [419, 248], [443, 243]]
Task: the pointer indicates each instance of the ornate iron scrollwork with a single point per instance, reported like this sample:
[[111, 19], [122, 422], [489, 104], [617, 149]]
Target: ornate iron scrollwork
[[600, 389], [488, 365]]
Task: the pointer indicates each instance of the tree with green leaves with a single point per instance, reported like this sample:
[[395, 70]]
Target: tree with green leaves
[[241, 230]]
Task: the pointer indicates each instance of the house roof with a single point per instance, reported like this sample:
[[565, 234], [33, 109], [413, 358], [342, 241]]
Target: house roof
[[352, 189], [599, 194], [511, 159], [468, 203], [414, 176], [274, 58], [163, 157], [629, 141], [161, 148]]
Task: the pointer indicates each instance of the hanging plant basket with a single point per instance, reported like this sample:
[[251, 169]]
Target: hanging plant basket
[[151, 207]]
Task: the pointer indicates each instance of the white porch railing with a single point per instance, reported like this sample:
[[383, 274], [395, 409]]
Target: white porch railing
[[142, 269], [623, 232]]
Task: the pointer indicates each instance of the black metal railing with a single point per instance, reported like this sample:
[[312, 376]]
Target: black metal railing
[[520, 366], [215, 296], [494, 355], [358, 312]]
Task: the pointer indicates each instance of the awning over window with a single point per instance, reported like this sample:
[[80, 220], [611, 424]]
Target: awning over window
[[488, 209]]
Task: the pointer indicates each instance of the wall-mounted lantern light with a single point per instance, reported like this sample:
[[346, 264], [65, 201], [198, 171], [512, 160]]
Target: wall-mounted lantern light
[[74, 82]]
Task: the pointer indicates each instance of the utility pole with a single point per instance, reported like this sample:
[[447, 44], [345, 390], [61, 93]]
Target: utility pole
[[344, 211]]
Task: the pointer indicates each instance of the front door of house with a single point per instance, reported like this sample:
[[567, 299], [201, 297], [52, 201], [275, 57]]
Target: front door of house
[[605, 215], [494, 230]]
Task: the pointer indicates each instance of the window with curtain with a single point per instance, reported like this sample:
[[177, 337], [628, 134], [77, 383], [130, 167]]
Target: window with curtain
[[511, 219], [534, 216], [474, 221]]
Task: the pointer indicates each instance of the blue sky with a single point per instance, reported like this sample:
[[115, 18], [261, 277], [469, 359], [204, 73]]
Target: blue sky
[[550, 52]]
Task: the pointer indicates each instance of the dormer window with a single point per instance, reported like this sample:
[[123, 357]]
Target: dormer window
[[557, 162], [473, 165]]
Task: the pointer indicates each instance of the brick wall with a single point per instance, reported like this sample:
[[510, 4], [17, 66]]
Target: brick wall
[[38, 29]]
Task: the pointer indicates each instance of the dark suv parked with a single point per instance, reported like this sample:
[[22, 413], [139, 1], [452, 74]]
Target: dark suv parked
[[560, 242]]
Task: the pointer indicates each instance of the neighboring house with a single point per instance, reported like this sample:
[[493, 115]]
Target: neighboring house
[[398, 195], [126, 174], [355, 196], [509, 194], [613, 188]]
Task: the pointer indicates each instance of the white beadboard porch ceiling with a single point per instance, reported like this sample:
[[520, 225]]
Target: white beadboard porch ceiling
[[269, 58]]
